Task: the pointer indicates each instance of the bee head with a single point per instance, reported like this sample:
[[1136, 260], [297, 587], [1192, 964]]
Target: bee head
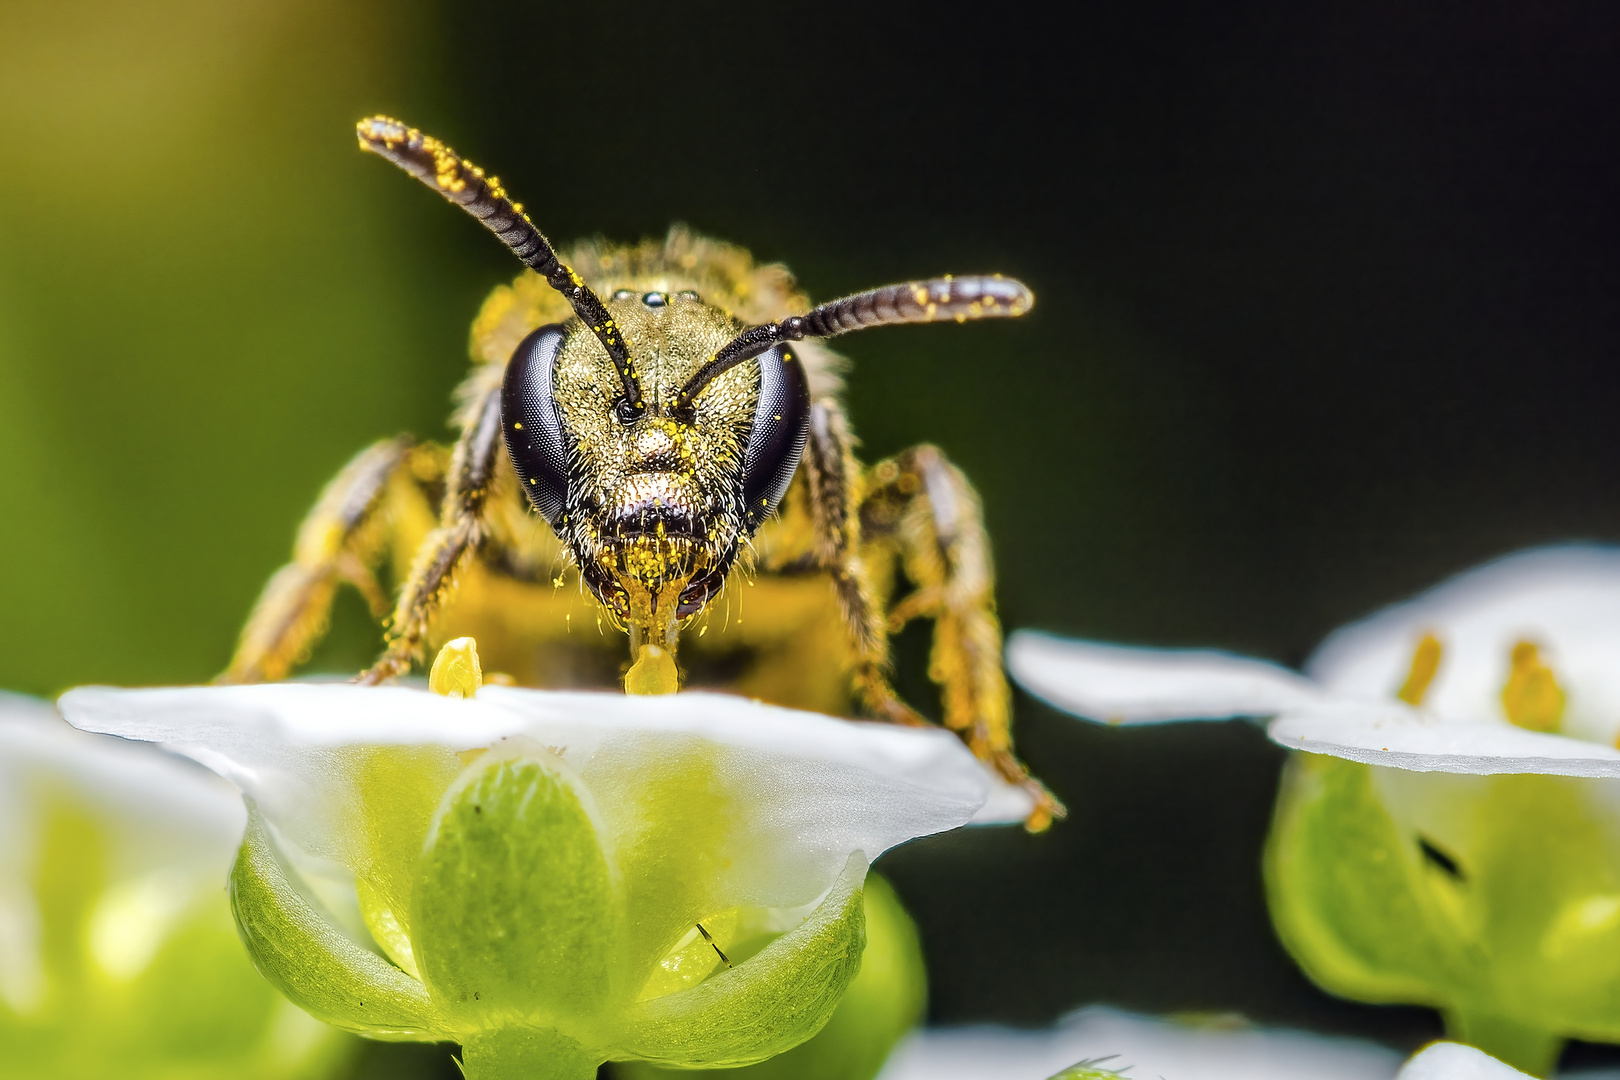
[[654, 498], [655, 432]]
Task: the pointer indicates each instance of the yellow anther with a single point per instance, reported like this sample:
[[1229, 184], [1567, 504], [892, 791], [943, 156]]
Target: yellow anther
[[1532, 697], [455, 670], [654, 672], [1425, 662]]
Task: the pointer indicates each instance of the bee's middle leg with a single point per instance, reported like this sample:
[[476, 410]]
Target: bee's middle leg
[[832, 472]]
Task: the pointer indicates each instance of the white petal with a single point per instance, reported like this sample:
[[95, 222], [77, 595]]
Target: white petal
[[1564, 599], [1405, 738], [1454, 1061], [163, 811], [289, 746], [1150, 1047], [1125, 685], [819, 788]]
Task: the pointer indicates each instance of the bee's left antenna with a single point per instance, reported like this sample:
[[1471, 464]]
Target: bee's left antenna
[[465, 184]]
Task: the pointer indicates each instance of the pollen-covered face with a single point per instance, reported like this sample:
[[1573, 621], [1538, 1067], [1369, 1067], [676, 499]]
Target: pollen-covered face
[[654, 501]]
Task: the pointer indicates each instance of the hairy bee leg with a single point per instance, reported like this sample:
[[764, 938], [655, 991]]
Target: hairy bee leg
[[449, 547], [924, 507], [830, 468], [335, 544]]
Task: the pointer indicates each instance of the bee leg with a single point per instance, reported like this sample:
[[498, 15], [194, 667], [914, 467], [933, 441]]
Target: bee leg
[[449, 547], [920, 506], [336, 543], [831, 469]]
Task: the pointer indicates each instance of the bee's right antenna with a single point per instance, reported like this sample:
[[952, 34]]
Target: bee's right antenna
[[465, 184], [955, 298]]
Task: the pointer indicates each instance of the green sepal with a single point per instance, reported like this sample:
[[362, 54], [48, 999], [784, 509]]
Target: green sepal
[[317, 966], [1530, 1048], [885, 1001], [1339, 882], [770, 1003], [518, 1053], [515, 911]]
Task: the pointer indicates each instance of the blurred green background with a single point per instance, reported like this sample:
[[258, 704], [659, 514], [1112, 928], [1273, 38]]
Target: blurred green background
[[1326, 311]]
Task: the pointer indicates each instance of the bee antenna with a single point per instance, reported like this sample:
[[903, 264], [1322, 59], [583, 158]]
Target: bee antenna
[[465, 184], [935, 300]]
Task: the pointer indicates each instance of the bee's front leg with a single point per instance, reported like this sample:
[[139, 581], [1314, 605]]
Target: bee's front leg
[[832, 475], [920, 506], [448, 548]]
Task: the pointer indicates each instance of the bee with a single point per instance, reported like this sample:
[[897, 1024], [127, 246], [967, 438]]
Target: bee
[[648, 432]]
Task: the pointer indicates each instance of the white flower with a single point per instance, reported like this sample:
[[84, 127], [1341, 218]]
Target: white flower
[[1464, 852], [1139, 1048], [1145, 1047], [114, 931], [652, 820], [1558, 609], [815, 789]]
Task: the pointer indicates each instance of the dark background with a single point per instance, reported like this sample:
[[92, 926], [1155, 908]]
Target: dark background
[[1326, 311]]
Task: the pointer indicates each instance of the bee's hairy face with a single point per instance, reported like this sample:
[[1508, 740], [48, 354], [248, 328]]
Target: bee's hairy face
[[653, 503]]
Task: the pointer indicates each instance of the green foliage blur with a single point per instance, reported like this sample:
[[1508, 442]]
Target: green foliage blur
[[207, 303], [195, 1009]]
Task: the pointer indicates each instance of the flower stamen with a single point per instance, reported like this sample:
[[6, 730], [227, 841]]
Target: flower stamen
[[1532, 697], [456, 673], [1425, 663]]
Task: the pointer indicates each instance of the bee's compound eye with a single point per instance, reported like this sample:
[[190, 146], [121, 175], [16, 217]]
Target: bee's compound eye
[[623, 294], [532, 424], [776, 441]]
